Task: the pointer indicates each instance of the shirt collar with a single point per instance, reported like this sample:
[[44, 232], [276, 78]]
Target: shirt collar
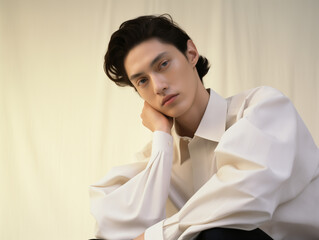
[[213, 123], [211, 127]]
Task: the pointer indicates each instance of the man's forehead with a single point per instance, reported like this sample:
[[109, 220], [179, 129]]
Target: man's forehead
[[151, 47], [146, 54]]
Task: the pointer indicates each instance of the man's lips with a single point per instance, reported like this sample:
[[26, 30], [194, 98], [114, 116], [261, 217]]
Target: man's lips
[[168, 99]]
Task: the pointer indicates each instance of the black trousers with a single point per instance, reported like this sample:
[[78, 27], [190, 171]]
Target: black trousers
[[232, 234]]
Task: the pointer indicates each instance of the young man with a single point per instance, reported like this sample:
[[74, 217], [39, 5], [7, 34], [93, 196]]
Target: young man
[[243, 167]]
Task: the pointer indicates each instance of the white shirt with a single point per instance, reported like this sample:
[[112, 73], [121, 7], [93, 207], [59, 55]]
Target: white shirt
[[251, 164]]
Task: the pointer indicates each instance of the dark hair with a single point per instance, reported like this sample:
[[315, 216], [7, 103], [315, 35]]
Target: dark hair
[[135, 31]]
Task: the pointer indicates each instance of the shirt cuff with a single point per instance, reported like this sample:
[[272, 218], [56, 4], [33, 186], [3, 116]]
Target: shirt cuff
[[162, 141], [154, 232]]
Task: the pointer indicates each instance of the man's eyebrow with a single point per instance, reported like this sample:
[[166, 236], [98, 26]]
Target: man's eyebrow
[[158, 57]]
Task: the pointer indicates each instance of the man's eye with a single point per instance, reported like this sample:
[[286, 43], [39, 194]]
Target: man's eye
[[164, 64], [142, 81]]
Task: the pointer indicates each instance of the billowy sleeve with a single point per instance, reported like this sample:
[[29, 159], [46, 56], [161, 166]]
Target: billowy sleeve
[[264, 160], [131, 198]]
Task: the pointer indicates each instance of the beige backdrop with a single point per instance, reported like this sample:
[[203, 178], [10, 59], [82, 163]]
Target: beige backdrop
[[63, 125]]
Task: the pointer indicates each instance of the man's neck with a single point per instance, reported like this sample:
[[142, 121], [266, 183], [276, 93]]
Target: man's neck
[[187, 124]]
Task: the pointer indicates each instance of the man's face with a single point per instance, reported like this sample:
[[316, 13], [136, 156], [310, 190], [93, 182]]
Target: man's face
[[163, 76]]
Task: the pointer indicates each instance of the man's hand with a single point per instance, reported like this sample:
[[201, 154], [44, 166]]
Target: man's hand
[[141, 237], [155, 120]]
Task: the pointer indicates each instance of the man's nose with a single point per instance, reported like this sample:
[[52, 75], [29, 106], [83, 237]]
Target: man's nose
[[159, 84]]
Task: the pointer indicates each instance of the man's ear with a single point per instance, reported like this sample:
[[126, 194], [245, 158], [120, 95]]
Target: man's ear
[[191, 53]]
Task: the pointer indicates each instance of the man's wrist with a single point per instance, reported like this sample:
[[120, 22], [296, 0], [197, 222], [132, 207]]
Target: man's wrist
[[164, 129], [141, 237]]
